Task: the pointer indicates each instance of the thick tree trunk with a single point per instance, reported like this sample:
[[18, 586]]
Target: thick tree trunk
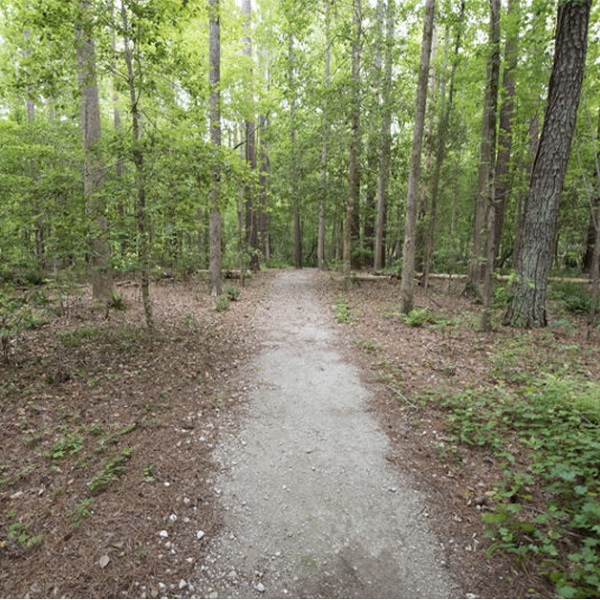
[[354, 158], [93, 168], [215, 139], [263, 185], [140, 176], [528, 305], [295, 200], [408, 254]]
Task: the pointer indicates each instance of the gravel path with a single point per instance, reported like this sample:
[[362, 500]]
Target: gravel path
[[313, 509]]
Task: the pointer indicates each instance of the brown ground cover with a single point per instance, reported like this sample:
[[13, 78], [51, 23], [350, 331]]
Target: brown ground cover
[[106, 434]]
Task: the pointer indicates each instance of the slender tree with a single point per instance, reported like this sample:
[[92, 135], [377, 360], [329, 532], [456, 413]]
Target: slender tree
[[385, 138], [215, 138], [354, 157], [528, 305], [491, 199], [408, 254], [134, 88], [325, 147]]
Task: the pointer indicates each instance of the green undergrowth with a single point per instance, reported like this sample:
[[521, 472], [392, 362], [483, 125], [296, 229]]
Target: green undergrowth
[[343, 312], [546, 436]]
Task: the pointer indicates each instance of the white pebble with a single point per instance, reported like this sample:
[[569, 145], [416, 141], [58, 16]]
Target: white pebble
[[164, 533], [200, 534]]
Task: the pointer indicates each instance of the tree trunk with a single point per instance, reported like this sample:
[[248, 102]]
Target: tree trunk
[[528, 305], [93, 168], [250, 125], [491, 199], [385, 139], [440, 151], [295, 200], [215, 139], [503, 175], [484, 197], [140, 179], [325, 148], [354, 158], [263, 185], [408, 254]]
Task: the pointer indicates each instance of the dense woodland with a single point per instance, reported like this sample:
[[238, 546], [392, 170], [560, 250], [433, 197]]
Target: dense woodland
[[137, 135], [403, 141]]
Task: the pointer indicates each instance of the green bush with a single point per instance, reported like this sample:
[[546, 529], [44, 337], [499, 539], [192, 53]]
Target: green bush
[[232, 292], [222, 303], [575, 297]]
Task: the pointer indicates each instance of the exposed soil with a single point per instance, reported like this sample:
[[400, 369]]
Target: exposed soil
[[110, 485]]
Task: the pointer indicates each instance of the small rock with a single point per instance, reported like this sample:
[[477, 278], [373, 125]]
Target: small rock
[[173, 518], [104, 560], [200, 534], [260, 588], [163, 533], [182, 584]]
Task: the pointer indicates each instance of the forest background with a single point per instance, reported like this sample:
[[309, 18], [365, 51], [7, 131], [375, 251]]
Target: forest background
[[145, 140], [310, 165]]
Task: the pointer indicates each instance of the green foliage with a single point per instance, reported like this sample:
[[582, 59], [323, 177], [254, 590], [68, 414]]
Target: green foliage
[[117, 302], [418, 317], [343, 312], [18, 534], [111, 471], [73, 338], [69, 444], [232, 292], [552, 425], [81, 512], [222, 303], [575, 297]]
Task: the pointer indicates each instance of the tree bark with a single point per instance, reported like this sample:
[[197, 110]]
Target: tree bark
[[140, 176], [93, 168], [325, 148], [215, 139], [354, 157], [385, 139], [491, 199], [440, 150], [528, 305], [408, 254], [250, 126], [503, 174]]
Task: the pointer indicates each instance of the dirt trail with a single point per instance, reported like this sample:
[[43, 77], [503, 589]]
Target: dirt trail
[[313, 509]]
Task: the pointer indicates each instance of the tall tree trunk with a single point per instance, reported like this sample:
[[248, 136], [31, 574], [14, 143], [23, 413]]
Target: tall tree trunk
[[491, 198], [93, 168], [528, 305], [263, 185], [354, 158], [325, 148], [408, 253], [440, 150], [251, 213], [385, 139], [215, 139], [503, 176], [293, 167], [486, 163], [140, 176]]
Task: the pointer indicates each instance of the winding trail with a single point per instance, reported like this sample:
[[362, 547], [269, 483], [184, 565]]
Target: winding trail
[[313, 509]]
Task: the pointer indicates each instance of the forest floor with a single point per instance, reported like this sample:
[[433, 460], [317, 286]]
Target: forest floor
[[119, 452]]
